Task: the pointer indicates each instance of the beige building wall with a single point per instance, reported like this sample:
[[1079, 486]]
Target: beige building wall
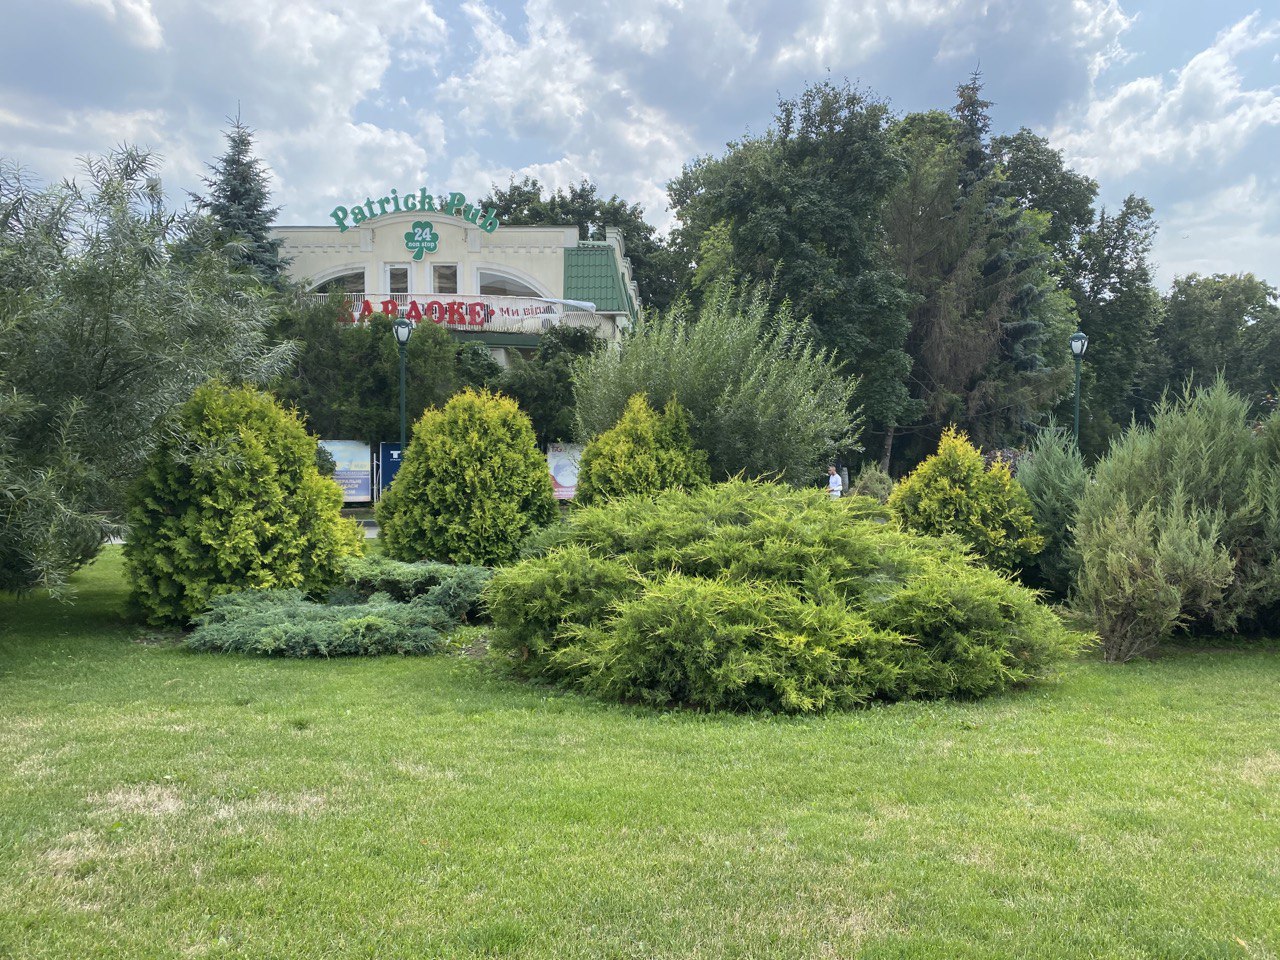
[[533, 255]]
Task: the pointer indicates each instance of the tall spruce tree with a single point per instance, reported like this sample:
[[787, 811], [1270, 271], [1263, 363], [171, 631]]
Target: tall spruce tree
[[982, 278], [238, 204]]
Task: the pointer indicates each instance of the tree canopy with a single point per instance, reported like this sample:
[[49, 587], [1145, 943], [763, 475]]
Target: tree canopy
[[654, 266], [103, 332]]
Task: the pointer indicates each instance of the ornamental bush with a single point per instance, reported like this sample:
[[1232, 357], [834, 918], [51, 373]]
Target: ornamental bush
[[456, 588], [231, 499], [954, 492], [872, 482], [471, 487], [756, 596], [642, 453], [763, 399], [1181, 526], [285, 623], [1054, 476]]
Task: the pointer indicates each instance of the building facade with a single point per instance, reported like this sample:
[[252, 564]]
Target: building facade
[[441, 260]]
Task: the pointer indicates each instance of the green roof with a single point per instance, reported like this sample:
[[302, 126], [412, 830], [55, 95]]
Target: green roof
[[592, 272]]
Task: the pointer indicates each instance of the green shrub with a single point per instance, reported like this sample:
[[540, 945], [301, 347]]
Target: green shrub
[[231, 499], [471, 487], [285, 623], [762, 399], [758, 596], [953, 492], [872, 482], [456, 588], [1144, 572], [1055, 478], [642, 453], [1194, 500], [723, 644]]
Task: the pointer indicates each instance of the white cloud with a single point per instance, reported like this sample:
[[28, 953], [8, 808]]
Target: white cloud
[[1233, 229], [137, 18], [546, 89], [1202, 112], [844, 32]]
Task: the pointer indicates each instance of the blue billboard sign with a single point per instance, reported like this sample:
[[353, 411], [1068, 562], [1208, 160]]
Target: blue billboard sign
[[388, 463]]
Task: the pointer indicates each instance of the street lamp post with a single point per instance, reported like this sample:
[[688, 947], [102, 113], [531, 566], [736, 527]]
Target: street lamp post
[[403, 329], [1079, 343]]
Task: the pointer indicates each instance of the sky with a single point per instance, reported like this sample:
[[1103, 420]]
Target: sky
[[1177, 101]]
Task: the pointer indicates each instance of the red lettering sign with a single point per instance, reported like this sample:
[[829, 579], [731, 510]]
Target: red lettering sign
[[437, 311], [415, 312], [390, 307]]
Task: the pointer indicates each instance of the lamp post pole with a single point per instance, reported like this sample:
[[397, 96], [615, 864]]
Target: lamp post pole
[[402, 329], [1079, 343]]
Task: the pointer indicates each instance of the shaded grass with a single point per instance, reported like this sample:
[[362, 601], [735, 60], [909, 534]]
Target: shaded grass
[[160, 803]]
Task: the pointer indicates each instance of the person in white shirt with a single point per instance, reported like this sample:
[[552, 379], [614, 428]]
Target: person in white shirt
[[834, 485]]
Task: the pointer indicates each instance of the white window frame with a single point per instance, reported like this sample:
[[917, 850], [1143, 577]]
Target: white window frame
[[457, 277], [386, 276]]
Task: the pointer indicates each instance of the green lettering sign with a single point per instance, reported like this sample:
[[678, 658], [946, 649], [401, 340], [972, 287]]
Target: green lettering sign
[[421, 238], [453, 204]]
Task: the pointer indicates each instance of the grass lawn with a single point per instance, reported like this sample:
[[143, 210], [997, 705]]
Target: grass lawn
[[158, 803]]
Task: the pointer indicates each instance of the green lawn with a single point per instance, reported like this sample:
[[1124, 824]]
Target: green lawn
[[158, 803]]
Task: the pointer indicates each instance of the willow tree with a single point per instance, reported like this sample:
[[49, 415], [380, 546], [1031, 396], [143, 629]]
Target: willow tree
[[102, 333]]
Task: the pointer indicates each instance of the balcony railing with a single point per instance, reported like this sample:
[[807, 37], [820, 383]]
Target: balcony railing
[[477, 314]]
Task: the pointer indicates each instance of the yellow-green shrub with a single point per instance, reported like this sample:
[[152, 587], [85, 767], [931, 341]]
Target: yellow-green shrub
[[471, 487], [231, 499], [644, 452], [953, 492], [760, 596]]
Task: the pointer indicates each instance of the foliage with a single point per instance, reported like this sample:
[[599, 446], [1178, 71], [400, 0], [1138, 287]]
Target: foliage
[[102, 333], [1038, 179], [1196, 494], [231, 499], [952, 492], [1144, 572], [798, 208], [238, 204], [1055, 479], [762, 399], [642, 453], [985, 289], [1109, 277], [656, 268], [760, 596], [872, 482], [455, 588], [285, 623], [543, 384], [471, 486], [1227, 325], [346, 378]]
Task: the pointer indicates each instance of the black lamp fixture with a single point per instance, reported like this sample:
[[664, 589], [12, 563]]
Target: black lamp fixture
[[403, 330], [1079, 344]]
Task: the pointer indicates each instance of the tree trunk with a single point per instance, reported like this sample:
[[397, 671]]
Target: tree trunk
[[888, 448]]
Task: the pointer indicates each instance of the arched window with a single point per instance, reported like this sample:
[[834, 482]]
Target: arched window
[[500, 285], [343, 283]]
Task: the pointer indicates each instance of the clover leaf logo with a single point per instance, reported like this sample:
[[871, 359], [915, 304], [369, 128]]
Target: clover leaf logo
[[421, 238]]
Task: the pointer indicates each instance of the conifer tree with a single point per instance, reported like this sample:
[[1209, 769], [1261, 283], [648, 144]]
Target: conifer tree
[[238, 203]]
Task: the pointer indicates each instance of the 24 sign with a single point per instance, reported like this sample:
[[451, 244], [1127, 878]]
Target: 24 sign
[[421, 238]]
